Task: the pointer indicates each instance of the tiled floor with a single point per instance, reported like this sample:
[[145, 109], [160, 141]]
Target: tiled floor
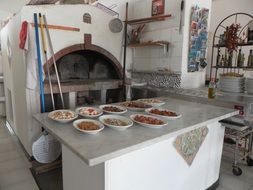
[[230, 182], [15, 173], [14, 167]]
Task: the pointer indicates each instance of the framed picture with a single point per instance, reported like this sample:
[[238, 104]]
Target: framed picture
[[157, 7]]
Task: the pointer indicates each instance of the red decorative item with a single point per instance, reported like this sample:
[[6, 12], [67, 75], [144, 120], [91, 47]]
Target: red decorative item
[[232, 38], [157, 7], [23, 35]]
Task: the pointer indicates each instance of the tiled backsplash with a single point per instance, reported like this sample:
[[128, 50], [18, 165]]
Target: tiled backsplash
[[158, 79]]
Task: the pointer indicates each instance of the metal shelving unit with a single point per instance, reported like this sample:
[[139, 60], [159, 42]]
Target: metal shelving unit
[[127, 22], [218, 47]]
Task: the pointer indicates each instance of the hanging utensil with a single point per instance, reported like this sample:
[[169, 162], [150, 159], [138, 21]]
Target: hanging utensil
[[45, 149], [42, 98], [116, 25], [54, 61], [46, 59], [181, 16]]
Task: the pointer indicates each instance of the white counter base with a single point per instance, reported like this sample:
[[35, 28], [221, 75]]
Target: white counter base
[[158, 166]]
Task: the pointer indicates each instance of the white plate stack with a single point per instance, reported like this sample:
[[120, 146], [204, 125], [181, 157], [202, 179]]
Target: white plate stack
[[249, 85], [232, 84]]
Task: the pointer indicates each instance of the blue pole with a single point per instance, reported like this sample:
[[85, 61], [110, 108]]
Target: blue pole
[[42, 98]]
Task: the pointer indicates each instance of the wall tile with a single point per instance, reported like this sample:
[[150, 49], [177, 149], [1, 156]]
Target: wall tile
[[175, 36], [175, 49]]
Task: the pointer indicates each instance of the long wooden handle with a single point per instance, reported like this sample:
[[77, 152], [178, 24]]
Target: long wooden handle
[[58, 27], [44, 45]]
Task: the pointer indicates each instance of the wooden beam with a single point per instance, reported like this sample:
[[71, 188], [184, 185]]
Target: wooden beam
[[58, 27], [42, 2]]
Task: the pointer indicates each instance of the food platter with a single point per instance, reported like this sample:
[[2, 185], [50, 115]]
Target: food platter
[[148, 120], [153, 102], [136, 105], [89, 112], [116, 122], [164, 113], [113, 109], [63, 116], [88, 126]]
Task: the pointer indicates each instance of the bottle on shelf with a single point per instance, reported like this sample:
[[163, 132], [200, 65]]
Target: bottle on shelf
[[250, 59], [250, 32], [230, 59], [211, 89], [218, 58], [239, 58], [242, 60], [226, 59], [222, 61]]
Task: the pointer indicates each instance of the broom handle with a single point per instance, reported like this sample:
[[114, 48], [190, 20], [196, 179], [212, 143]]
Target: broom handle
[[54, 62], [46, 59], [42, 98]]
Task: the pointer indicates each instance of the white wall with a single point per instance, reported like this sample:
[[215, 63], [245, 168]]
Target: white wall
[[150, 58], [15, 68], [26, 101], [222, 9]]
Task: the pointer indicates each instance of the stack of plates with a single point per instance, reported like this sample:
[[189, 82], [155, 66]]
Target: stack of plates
[[249, 85], [232, 84]]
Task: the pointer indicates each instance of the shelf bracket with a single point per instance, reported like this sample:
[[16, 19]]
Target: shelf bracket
[[166, 48]]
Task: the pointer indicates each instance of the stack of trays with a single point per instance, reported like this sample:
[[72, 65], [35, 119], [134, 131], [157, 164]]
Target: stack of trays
[[249, 85], [232, 84]]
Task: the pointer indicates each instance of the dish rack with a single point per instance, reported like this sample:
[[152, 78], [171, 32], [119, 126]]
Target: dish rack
[[238, 141]]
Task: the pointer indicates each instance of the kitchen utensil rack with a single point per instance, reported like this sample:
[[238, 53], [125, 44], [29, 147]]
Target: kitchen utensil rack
[[217, 46], [155, 43]]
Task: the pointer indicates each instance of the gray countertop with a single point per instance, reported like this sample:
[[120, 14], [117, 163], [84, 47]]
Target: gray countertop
[[108, 144], [202, 93]]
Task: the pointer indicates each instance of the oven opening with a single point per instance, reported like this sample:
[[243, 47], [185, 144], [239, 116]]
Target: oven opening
[[87, 78]]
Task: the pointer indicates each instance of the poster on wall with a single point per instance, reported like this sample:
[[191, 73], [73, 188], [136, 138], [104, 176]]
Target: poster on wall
[[157, 7], [198, 36]]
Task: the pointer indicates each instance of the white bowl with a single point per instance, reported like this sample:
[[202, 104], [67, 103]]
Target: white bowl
[[230, 78], [163, 116], [62, 120], [100, 112], [91, 132], [119, 128], [124, 110], [146, 106], [158, 102], [149, 125]]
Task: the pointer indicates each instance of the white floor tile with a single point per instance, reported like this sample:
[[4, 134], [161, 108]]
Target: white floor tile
[[226, 166], [14, 164], [5, 140], [15, 177], [251, 188], [5, 148], [231, 182], [247, 174], [221, 188], [12, 155], [24, 185]]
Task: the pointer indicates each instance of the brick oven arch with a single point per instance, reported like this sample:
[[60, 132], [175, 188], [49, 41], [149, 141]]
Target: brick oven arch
[[89, 47]]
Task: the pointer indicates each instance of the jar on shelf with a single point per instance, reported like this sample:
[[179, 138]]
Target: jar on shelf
[[250, 31]]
